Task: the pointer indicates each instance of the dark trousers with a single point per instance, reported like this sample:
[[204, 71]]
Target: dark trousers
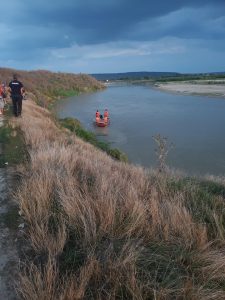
[[17, 104]]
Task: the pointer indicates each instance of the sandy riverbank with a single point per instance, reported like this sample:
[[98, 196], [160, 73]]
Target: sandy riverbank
[[194, 88]]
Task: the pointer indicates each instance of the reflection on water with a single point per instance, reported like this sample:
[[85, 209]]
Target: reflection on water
[[195, 125], [101, 131]]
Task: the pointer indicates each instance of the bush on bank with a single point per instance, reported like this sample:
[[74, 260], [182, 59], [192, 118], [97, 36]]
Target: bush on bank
[[75, 126]]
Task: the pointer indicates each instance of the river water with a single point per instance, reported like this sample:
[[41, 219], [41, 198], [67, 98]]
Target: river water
[[195, 125]]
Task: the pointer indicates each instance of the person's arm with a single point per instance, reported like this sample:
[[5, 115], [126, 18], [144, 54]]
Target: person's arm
[[22, 90]]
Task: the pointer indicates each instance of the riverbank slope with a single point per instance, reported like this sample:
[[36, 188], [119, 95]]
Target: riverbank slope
[[45, 87], [102, 229]]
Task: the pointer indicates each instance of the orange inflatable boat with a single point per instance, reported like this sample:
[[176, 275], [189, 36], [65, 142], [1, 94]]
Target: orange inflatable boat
[[101, 122]]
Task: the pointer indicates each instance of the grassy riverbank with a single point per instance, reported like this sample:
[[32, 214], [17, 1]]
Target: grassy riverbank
[[75, 126], [45, 87], [103, 229], [100, 228]]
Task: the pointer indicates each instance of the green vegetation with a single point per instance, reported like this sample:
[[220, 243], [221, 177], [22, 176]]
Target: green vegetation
[[57, 94], [189, 77], [12, 144], [172, 77], [205, 201], [75, 126], [162, 264], [139, 77], [45, 87], [11, 218], [65, 93]]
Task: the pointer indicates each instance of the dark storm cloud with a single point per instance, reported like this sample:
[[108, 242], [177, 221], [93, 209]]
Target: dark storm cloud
[[100, 21], [186, 23], [32, 30]]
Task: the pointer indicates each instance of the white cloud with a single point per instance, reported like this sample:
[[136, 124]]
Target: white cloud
[[120, 49]]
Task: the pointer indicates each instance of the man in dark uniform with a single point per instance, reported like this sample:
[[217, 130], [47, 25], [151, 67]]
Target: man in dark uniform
[[16, 91]]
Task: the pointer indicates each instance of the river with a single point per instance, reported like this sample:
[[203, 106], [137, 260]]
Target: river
[[195, 125]]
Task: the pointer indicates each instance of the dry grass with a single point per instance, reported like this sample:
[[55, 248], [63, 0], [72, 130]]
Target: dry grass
[[109, 230], [45, 86]]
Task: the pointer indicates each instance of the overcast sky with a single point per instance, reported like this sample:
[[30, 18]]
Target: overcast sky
[[102, 36]]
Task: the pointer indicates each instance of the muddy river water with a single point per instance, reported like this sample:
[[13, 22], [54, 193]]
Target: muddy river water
[[195, 125]]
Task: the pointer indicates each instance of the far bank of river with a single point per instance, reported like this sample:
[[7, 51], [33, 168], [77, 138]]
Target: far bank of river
[[194, 124], [212, 88]]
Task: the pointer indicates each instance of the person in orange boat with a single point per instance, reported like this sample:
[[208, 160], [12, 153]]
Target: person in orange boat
[[106, 113], [105, 120], [97, 119], [97, 114]]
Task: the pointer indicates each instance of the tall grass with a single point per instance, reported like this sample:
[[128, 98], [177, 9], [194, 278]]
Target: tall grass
[[45, 87], [109, 230], [75, 126]]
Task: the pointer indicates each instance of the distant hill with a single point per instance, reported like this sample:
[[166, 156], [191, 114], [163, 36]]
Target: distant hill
[[133, 75], [155, 75]]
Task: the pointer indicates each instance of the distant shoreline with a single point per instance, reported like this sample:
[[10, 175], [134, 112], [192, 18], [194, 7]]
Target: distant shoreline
[[199, 88]]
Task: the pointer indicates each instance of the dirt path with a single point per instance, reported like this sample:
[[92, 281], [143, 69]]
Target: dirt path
[[9, 258]]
